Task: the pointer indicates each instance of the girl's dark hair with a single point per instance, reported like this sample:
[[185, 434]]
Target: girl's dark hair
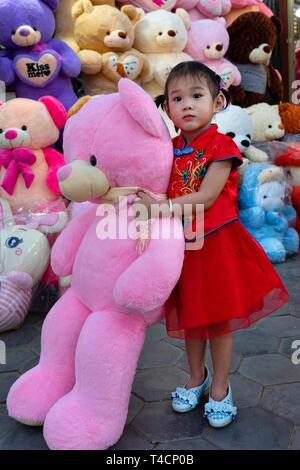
[[197, 70]]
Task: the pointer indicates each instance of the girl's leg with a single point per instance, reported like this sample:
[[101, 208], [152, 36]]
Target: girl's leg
[[221, 354], [195, 350]]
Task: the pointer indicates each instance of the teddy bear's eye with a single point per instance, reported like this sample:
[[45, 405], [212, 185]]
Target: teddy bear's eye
[[24, 128], [13, 32], [208, 47], [93, 160], [160, 33], [265, 197], [107, 33], [231, 134], [34, 29], [1, 131], [270, 126]]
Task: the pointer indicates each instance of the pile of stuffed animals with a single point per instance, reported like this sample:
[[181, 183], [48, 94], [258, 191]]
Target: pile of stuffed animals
[[120, 54]]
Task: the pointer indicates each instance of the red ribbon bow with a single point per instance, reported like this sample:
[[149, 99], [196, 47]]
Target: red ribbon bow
[[16, 162]]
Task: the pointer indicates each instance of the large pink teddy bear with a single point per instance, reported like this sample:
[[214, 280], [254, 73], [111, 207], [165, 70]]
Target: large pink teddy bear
[[200, 9], [93, 336], [208, 42]]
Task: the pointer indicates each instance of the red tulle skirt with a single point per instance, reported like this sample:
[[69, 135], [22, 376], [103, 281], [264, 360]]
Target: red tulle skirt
[[225, 286]]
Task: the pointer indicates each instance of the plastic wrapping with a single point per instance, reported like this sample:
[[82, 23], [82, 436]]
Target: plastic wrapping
[[266, 210]]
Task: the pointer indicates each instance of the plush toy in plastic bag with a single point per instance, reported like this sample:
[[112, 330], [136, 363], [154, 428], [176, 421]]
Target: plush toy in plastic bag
[[24, 256], [266, 212]]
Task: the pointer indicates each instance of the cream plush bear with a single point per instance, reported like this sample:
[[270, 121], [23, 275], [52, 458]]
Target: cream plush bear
[[65, 22], [162, 36], [105, 36], [267, 124]]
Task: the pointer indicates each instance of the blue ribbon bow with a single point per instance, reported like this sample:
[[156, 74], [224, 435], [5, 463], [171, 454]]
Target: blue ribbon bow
[[184, 151]]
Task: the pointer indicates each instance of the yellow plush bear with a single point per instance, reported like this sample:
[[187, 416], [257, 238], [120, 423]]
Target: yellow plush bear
[[105, 36], [65, 22]]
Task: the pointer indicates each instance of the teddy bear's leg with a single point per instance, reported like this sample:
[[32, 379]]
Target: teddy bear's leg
[[92, 416], [35, 392], [274, 249]]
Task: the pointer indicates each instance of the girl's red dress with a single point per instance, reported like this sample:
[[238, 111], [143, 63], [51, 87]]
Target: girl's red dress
[[229, 283]]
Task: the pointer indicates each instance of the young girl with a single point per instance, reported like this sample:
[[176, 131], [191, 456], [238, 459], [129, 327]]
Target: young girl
[[229, 283]]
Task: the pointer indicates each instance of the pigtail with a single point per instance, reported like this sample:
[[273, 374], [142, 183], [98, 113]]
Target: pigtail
[[160, 101]]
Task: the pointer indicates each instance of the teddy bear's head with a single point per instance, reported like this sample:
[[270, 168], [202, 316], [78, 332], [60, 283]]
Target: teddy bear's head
[[162, 31], [104, 28], [235, 122], [267, 124], [25, 23], [115, 141], [29, 123], [263, 186], [207, 40], [207, 8], [150, 5], [252, 38]]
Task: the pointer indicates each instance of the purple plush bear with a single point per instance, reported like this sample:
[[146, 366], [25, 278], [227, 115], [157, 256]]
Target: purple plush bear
[[34, 63]]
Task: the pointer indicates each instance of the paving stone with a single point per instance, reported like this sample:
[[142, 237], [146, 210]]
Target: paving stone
[[283, 400], [6, 381], [253, 429], [35, 345], [18, 338], [155, 333], [7, 424], [189, 444], [179, 343], [246, 393], [236, 360], [270, 369], [295, 440], [295, 310], [159, 354], [132, 440], [28, 364], [157, 384], [254, 342], [282, 312], [161, 424], [24, 438], [135, 406], [286, 346], [281, 326], [16, 358]]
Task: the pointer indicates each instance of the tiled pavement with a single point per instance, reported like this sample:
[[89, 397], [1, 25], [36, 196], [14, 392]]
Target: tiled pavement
[[266, 387]]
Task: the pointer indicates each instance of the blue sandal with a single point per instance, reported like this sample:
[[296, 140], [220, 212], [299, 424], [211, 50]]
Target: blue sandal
[[220, 413], [184, 400]]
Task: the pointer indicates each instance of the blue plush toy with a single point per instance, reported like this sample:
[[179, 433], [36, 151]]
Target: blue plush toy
[[265, 214], [32, 62]]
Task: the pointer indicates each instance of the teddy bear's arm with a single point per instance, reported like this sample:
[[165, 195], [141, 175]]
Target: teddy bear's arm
[[54, 160], [91, 61], [243, 98], [256, 155], [253, 217], [273, 218], [290, 213], [150, 279], [275, 84], [7, 74], [66, 246], [70, 63]]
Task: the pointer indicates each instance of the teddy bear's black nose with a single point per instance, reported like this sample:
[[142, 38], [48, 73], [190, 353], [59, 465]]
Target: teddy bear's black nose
[[219, 47], [171, 32], [267, 49], [122, 35]]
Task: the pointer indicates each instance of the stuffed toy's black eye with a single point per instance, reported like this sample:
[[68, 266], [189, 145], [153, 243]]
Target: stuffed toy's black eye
[[1, 131], [13, 242], [24, 128], [93, 160], [231, 134]]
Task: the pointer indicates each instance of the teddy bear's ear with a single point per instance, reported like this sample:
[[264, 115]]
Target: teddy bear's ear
[[141, 107], [133, 13], [81, 7], [221, 21], [183, 14], [277, 22], [56, 110], [53, 4], [78, 105]]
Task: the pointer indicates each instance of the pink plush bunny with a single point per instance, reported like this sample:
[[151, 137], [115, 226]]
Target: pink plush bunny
[[200, 9], [93, 336]]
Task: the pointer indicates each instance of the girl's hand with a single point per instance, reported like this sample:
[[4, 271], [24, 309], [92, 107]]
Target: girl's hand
[[146, 207]]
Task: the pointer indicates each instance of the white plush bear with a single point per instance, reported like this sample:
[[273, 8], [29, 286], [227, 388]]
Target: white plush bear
[[162, 37], [267, 124], [235, 122]]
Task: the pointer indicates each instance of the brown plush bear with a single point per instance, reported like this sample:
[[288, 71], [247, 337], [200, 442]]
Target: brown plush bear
[[252, 40]]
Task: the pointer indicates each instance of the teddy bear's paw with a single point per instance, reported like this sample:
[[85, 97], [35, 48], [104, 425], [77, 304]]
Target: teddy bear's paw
[[126, 67], [33, 394], [74, 424], [91, 62]]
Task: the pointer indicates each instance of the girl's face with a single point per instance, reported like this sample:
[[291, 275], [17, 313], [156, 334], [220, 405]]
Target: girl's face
[[190, 104]]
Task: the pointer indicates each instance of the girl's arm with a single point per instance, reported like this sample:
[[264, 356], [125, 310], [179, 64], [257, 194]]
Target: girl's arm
[[211, 187]]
